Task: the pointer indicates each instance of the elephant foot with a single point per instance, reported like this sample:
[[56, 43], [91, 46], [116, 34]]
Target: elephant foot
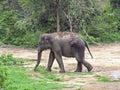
[[48, 69], [78, 71], [90, 68], [35, 69], [62, 71]]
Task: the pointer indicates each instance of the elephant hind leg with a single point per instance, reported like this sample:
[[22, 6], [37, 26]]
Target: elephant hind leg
[[80, 59], [87, 65], [79, 67], [79, 63]]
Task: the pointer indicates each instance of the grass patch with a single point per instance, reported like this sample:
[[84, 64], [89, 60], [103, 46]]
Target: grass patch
[[105, 79], [3, 75], [47, 74], [18, 79], [13, 77]]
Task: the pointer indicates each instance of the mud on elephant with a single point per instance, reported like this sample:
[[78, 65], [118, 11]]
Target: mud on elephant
[[66, 44]]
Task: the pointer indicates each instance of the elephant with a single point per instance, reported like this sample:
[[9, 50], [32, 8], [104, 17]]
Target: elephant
[[66, 44]]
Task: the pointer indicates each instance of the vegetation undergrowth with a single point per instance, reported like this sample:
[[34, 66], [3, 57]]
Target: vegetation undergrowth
[[47, 74], [105, 79], [14, 77]]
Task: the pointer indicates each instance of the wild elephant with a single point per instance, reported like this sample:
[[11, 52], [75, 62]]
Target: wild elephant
[[66, 44]]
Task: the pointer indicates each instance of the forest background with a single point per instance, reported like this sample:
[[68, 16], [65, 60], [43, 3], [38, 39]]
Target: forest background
[[23, 21]]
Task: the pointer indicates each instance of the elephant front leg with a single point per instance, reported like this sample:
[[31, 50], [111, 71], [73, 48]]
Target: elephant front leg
[[58, 57], [51, 60]]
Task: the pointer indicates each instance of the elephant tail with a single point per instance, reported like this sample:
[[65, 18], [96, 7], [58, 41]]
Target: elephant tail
[[88, 50]]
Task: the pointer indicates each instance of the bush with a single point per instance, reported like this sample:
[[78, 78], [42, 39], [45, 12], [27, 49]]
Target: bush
[[7, 59], [30, 40], [106, 27], [110, 37]]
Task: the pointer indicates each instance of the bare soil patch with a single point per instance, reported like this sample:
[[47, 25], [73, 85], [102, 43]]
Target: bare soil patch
[[106, 62]]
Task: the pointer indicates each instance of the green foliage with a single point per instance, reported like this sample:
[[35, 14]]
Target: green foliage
[[105, 28], [7, 59], [3, 75], [47, 74], [1, 43], [29, 39], [111, 37], [22, 25], [7, 20]]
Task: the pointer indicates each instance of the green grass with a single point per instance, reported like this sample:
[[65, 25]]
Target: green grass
[[105, 79], [18, 79], [47, 74], [14, 77]]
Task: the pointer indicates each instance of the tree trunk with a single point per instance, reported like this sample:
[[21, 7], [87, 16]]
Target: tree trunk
[[58, 15]]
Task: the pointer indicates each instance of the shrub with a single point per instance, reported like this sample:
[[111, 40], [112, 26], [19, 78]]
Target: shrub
[[8, 59]]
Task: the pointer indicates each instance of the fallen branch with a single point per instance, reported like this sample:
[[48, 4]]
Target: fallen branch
[[93, 42]]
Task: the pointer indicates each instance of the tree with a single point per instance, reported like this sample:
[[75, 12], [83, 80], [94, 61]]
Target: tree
[[58, 14], [72, 14]]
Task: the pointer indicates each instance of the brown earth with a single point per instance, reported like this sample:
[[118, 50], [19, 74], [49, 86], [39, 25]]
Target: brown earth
[[106, 63]]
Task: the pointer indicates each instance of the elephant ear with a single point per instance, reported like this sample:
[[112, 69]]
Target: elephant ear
[[41, 40]]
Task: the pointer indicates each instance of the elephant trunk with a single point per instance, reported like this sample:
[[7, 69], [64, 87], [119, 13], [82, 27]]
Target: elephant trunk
[[38, 59]]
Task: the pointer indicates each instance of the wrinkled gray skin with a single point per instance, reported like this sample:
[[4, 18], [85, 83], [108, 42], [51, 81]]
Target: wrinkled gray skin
[[66, 44]]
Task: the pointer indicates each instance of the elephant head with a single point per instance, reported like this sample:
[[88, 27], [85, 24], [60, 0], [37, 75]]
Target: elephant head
[[45, 42]]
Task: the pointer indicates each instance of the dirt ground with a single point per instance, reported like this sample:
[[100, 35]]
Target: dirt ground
[[106, 62]]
